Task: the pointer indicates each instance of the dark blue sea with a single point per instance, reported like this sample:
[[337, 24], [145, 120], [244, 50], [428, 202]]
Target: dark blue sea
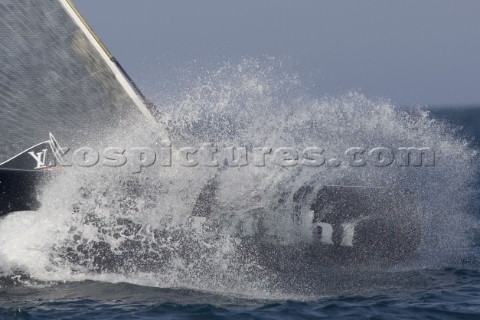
[[423, 294], [447, 290]]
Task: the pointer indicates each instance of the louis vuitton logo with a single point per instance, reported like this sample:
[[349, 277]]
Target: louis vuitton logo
[[40, 158]]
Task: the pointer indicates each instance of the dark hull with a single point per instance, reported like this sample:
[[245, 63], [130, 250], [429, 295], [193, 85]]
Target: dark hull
[[386, 227], [19, 189]]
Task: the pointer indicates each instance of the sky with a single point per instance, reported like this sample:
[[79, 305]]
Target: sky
[[412, 52]]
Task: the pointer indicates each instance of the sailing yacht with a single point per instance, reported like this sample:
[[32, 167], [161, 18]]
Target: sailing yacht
[[58, 76]]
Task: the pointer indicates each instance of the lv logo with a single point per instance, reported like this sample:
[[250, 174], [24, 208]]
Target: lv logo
[[40, 158]]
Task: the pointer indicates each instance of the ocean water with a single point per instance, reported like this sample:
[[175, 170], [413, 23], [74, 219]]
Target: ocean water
[[425, 294], [105, 245]]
